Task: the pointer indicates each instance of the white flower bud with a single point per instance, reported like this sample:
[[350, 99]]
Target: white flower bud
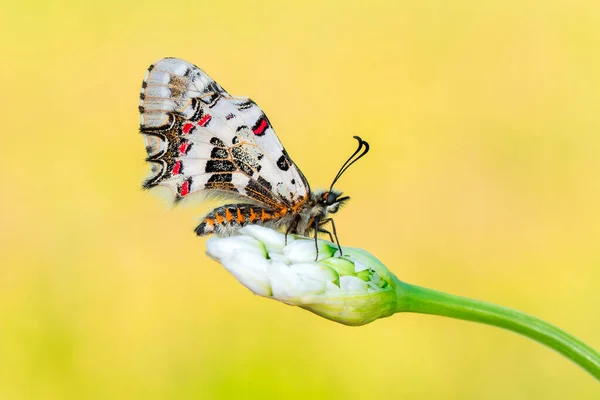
[[352, 289]]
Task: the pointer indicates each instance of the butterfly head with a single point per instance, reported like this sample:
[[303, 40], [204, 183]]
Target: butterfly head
[[332, 200]]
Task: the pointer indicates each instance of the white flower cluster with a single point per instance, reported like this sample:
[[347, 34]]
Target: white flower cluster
[[353, 289]]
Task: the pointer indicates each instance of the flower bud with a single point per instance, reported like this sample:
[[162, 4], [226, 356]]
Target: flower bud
[[353, 289]]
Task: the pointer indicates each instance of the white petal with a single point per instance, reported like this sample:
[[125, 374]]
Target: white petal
[[218, 248], [303, 250], [288, 284], [315, 271], [377, 280], [341, 265], [352, 284], [358, 266], [332, 288], [274, 241], [251, 270], [283, 280], [300, 251], [277, 257], [310, 286]]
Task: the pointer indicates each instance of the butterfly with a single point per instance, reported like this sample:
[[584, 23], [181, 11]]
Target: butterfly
[[200, 139]]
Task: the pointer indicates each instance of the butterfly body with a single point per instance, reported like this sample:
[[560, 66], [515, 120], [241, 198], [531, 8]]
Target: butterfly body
[[227, 219], [200, 139]]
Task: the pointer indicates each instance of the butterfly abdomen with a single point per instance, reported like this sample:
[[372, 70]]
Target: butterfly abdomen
[[226, 220]]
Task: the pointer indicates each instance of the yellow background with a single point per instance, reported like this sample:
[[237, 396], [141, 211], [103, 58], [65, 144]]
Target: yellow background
[[483, 181]]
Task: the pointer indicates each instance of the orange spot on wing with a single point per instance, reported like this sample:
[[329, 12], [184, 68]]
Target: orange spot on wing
[[219, 218], [281, 213], [240, 217], [253, 216], [228, 215], [296, 206], [210, 222], [265, 216]]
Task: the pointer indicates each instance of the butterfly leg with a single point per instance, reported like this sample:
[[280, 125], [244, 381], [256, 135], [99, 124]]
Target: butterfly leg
[[317, 219], [292, 227], [321, 230], [337, 241]]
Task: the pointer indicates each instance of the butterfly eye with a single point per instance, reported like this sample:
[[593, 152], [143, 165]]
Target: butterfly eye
[[331, 198], [333, 209]]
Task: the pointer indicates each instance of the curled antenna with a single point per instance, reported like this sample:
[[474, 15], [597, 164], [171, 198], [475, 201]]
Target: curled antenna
[[352, 160]]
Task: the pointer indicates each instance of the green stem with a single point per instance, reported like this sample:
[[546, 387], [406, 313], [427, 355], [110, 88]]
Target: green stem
[[417, 299]]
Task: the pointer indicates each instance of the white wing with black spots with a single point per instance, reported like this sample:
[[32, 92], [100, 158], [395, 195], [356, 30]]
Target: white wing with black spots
[[200, 138]]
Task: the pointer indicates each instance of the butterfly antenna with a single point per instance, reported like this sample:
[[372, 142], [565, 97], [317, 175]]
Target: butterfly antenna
[[362, 145]]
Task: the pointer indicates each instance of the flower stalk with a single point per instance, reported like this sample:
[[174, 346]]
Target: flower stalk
[[356, 288], [415, 299]]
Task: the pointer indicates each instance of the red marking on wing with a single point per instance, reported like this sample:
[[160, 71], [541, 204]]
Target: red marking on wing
[[204, 120], [187, 128], [176, 168], [183, 148], [185, 188], [260, 129]]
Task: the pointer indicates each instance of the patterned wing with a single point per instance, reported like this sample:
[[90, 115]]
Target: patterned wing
[[199, 138]]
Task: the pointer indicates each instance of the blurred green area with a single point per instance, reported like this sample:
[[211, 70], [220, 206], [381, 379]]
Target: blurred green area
[[482, 181]]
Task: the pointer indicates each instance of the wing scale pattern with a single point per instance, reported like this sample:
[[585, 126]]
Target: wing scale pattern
[[199, 138]]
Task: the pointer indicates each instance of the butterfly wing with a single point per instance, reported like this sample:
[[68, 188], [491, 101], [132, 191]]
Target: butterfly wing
[[199, 138]]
